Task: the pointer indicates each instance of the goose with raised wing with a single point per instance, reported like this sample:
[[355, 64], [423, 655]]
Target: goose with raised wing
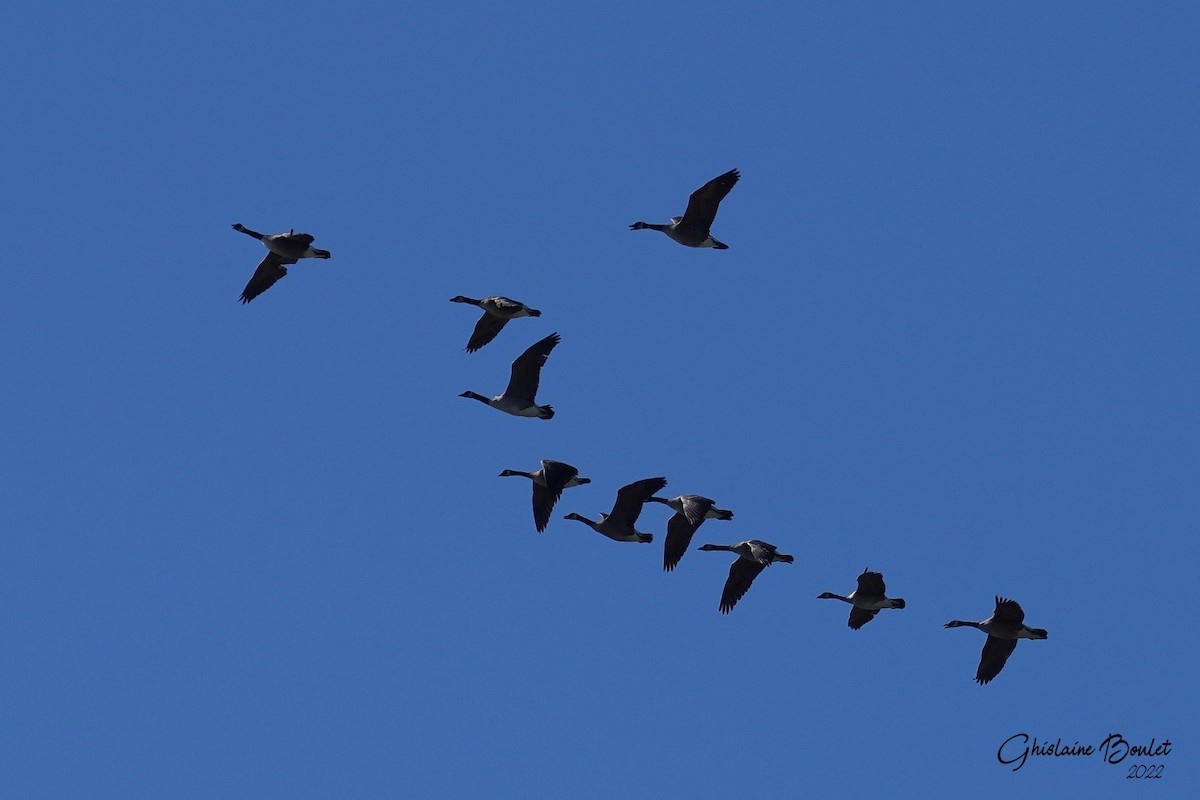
[[497, 311], [518, 398], [1004, 627], [753, 557], [619, 524], [692, 229], [285, 248], [690, 510], [867, 599], [548, 485]]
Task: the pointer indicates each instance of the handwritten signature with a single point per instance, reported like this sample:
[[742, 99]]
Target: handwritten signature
[[1115, 748]]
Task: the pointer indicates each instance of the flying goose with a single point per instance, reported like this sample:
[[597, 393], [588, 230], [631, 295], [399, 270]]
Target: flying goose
[[690, 511], [619, 525], [523, 384], [497, 311], [692, 228], [1003, 627], [753, 557], [867, 599], [286, 248], [548, 485]]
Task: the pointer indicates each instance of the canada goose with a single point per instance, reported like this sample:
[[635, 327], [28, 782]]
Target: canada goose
[[753, 557], [518, 398], [286, 248], [867, 599], [619, 525], [692, 228], [497, 311], [1003, 627], [690, 511], [548, 485]]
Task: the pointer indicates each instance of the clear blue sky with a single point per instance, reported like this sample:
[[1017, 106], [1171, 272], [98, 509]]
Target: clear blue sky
[[262, 551]]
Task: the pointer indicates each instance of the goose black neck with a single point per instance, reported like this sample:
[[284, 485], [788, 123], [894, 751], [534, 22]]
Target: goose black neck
[[243, 229]]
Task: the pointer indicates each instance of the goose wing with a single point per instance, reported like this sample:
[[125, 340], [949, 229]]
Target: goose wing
[[506, 306], [485, 330], [269, 270], [696, 508], [305, 239], [527, 369], [870, 583], [702, 204], [544, 499], [556, 474], [761, 551], [741, 574], [292, 243], [630, 499], [995, 653], [680, 530], [1008, 611], [860, 617]]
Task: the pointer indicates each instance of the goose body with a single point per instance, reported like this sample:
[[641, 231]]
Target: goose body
[[548, 485], [1004, 627], [497, 311], [692, 229], [753, 557], [619, 524], [690, 511], [285, 248], [519, 398], [868, 599]]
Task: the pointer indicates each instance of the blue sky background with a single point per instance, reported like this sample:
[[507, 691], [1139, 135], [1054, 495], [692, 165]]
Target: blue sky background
[[262, 550]]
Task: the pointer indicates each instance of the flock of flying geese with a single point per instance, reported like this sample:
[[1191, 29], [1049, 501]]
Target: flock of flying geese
[[1004, 627]]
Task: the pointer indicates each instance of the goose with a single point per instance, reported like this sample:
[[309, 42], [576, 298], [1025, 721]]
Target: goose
[[619, 525], [518, 398], [692, 228], [690, 511], [497, 311], [548, 485], [867, 599], [753, 557], [286, 248], [1003, 627]]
